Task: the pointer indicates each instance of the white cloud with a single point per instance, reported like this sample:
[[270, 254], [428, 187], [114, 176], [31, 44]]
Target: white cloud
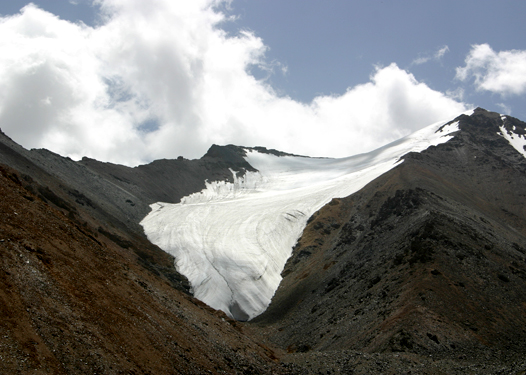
[[457, 94], [506, 109], [436, 56], [421, 60], [53, 93], [441, 52], [503, 72], [159, 78]]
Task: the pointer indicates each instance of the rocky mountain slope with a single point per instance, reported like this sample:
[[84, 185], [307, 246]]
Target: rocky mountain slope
[[422, 270], [430, 258], [75, 299]]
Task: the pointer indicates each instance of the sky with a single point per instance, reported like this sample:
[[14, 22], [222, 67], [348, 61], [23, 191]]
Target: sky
[[130, 81]]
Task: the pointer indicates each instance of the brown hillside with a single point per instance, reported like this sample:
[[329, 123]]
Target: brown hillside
[[72, 301]]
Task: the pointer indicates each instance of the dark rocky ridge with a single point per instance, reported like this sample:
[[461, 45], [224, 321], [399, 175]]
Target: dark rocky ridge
[[116, 198], [429, 259], [423, 270]]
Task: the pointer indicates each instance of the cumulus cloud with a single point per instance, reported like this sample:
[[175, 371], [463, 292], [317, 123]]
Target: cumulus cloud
[[160, 78], [54, 93], [503, 72]]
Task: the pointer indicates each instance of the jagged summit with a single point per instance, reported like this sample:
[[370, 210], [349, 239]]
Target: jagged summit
[[231, 155]]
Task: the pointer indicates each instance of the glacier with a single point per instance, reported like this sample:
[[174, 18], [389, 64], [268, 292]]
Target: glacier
[[232, 240]]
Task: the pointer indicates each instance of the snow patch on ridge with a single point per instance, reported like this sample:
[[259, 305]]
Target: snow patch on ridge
[[232, 240], [518, 141]]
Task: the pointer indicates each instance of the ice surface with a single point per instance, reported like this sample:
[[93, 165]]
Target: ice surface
[[232, 239]]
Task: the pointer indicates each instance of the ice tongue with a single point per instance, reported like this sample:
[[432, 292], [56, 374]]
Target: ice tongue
[[232, 240]]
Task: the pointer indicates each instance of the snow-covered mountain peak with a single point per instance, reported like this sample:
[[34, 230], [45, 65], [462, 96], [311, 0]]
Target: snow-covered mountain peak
[[232, 240]]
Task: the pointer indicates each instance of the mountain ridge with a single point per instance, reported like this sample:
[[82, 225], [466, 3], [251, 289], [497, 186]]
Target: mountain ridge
[[421, 270], [439, 239]]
